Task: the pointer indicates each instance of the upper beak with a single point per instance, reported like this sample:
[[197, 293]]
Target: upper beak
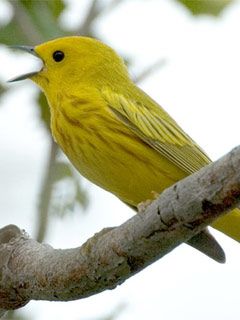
[[30, 74]]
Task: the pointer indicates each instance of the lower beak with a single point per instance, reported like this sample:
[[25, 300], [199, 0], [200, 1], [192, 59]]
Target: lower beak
[[30, 74]]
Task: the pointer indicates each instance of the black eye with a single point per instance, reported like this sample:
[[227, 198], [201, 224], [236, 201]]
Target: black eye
[[58, 56]]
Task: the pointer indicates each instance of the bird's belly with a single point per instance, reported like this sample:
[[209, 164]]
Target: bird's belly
[[119, 162], [133, 173]]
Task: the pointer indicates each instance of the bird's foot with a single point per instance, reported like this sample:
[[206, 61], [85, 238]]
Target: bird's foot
[[142, 206]]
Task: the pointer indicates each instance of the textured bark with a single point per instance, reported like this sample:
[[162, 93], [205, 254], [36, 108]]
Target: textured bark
[[31, 270]]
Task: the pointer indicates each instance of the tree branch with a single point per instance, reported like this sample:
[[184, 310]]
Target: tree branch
[[30, 270]]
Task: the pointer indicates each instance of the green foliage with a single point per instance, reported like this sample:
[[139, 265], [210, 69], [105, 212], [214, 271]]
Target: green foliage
[[210, 7], [13, 315], [44, 109], [2, 89], [67, 190], [33, 22], [12, 34], [54, 7], [43, 15]]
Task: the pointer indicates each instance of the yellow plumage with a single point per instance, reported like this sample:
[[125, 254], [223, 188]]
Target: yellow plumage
[[114, 133]]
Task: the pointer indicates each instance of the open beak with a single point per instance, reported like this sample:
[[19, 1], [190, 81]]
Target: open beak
[[30, 74]]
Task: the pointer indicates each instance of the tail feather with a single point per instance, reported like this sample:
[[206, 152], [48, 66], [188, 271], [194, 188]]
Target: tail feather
[[206, 243]]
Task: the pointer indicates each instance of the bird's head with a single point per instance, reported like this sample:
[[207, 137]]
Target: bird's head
[[74, 60]]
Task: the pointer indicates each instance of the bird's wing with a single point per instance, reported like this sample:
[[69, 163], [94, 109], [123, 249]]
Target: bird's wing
[[156, 128]]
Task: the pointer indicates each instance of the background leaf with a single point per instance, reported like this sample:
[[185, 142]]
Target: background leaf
[[210, 7], [44, 109]]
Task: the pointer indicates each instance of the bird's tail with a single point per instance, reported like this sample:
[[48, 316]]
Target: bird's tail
[[229, 224], [207, 244]]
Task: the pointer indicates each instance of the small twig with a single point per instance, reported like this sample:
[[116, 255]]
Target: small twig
[[24, 22], [46, 193], [93, 12], [150, 70], [112, 5]]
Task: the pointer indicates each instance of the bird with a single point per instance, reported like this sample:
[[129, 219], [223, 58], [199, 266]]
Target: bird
[[115, 134]]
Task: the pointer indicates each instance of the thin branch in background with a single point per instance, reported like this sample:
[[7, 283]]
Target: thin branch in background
[[46, 193], [112, 5], [24, 22], [92, 14], [150, 70]]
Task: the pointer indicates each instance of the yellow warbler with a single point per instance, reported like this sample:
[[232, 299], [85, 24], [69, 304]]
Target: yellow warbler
[[113, 132]]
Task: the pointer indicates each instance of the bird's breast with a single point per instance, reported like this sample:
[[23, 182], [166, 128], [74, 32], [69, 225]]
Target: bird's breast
[[109, 154]]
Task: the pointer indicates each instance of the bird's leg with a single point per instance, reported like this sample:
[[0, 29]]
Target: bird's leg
[[142, 206]]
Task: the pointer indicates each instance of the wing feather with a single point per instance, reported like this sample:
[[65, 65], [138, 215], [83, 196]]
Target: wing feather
[[156, 128]]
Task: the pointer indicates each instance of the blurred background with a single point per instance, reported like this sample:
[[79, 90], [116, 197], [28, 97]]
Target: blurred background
[[183, 53]]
